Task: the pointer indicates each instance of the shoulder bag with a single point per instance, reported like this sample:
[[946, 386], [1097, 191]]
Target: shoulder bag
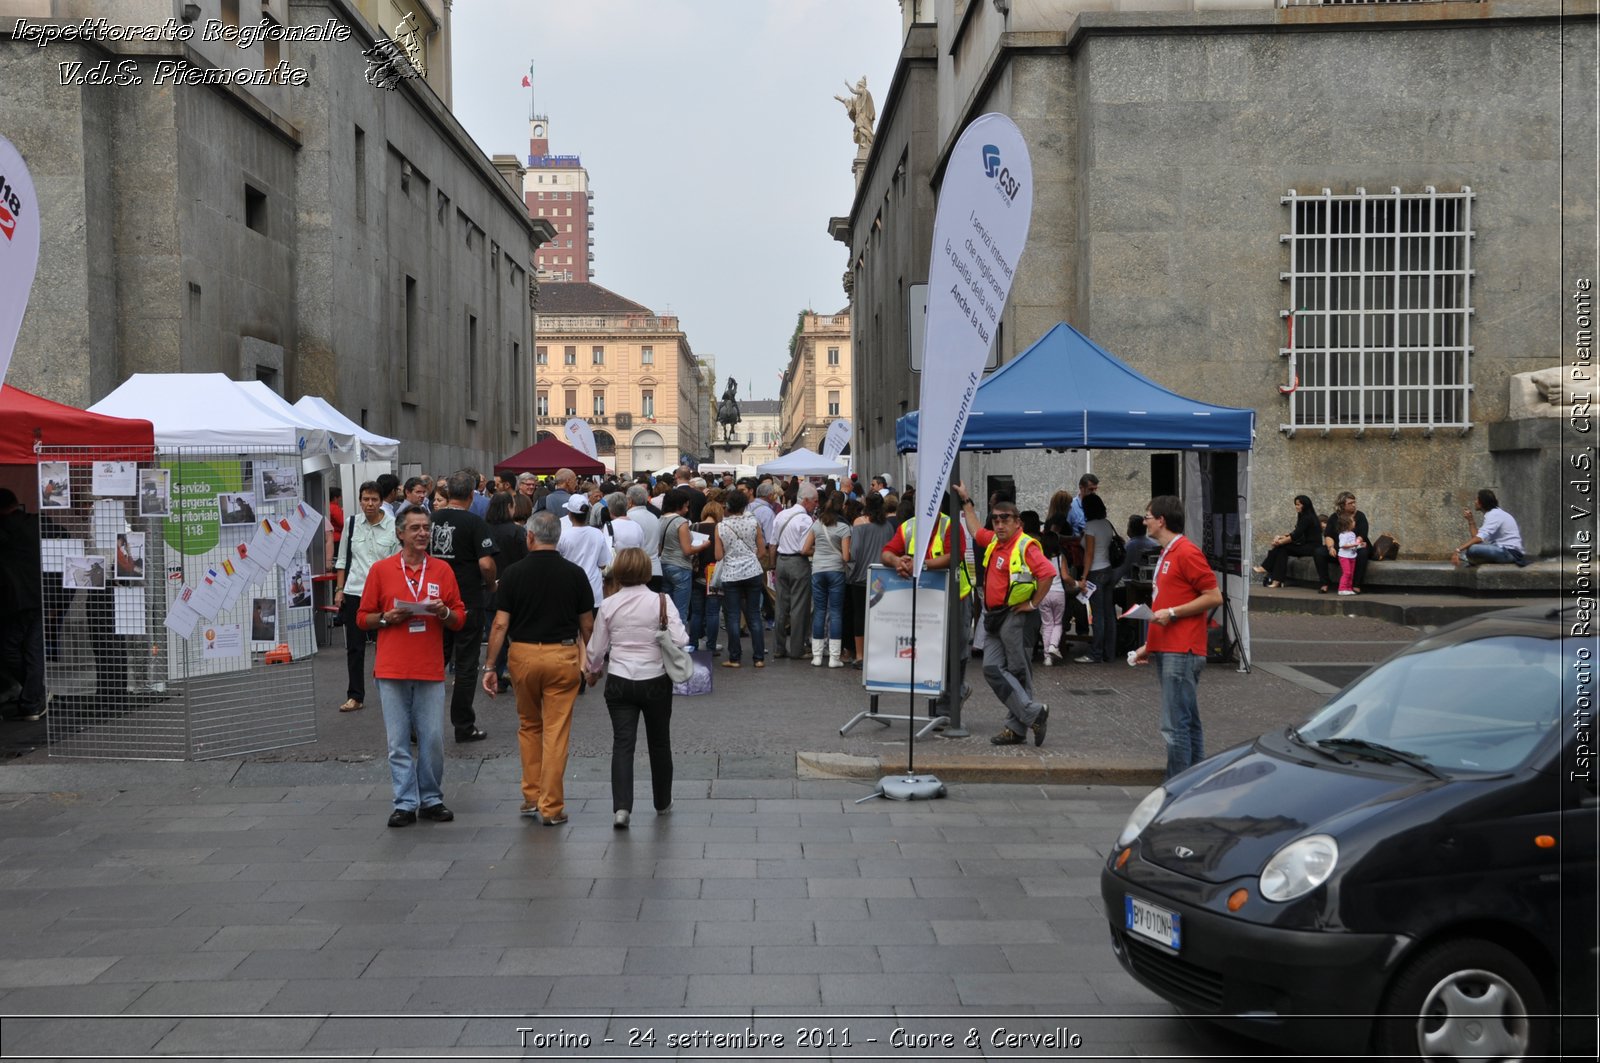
[[674, 658]]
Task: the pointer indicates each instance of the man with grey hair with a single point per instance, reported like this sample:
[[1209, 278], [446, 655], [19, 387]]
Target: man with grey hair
[[640, 513], [463, 540], [623, 532], [793, 575], [527, 484], [546, 609]]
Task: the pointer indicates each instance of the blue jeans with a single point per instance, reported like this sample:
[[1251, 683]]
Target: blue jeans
[[827, 606], [414, 705], [1179, 674], [679, 582], [705, 612], [745, 594], [1488, 554], [1103, 625]]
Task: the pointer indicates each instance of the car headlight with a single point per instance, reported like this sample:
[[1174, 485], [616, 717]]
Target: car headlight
[[1299, 867], [1143, 813]]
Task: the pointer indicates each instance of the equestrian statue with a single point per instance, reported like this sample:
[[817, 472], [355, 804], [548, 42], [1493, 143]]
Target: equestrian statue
[[728, 410]]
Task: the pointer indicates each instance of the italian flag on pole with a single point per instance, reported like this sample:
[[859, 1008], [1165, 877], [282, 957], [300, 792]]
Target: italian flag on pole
[[527, 79]]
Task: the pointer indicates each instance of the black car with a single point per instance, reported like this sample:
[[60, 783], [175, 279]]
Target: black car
[[1409, 873]]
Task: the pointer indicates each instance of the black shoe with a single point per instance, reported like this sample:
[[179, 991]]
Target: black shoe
[[438, 813], [36, 714], [1039, 724], [402, 818], [548, 822], [473, 735], [1007, 737]]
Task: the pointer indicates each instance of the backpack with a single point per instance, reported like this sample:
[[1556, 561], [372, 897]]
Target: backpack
[[1117, 550]]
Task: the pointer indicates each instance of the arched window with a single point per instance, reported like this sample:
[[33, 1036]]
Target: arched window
[[605, 444], [649, 451]]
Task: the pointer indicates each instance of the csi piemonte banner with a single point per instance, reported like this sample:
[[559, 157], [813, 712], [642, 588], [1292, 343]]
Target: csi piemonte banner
[[19, 247], [581, 437], [979, 232], [838, 436]]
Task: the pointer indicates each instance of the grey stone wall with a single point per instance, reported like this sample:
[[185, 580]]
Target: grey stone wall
[[1161, 145], [148, 264]]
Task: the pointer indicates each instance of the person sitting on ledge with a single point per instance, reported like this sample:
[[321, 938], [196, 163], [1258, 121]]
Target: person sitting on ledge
[[1497, 542]]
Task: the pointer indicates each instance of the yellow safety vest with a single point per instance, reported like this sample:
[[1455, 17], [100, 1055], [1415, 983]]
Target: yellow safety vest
[[1022, 582], [910, 530]]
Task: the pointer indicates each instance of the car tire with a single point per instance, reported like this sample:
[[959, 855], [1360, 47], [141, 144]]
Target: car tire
[[1497, 1003]]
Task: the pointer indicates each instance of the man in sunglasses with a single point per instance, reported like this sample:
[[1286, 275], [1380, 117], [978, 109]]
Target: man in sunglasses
[[1016, 577]]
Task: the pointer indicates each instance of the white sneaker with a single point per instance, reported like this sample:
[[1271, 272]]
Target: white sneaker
[[1085, 659], [1347, 592], [620, 820], [664, 811]]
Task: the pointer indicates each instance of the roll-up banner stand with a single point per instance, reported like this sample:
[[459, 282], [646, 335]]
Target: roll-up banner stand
[[19, 247]]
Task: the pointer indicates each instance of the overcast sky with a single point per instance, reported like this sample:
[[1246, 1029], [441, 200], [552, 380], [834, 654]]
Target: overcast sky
[[715, 150]]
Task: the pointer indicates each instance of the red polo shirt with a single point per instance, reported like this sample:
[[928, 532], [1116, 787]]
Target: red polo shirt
[[1182, 575], [404, 653], [997, 578]]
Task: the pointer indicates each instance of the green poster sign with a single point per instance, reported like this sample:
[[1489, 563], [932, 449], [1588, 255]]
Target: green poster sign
[[196, 524]]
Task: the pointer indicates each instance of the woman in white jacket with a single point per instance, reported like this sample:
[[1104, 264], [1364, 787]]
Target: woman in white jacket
[[636, 680]]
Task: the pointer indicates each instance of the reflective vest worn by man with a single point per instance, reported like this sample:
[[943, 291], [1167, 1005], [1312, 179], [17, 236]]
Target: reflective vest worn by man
[[1016, 577]]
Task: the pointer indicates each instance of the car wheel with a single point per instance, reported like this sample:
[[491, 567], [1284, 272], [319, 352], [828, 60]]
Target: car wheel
[[1466, 999]]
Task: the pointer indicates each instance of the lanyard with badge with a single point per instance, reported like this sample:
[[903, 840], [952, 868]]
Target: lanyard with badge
[[418, 624], [1155, 579]]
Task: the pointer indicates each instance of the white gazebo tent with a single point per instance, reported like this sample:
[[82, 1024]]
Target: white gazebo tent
[[320, 445], [373, 446], [200, 410], [803, 462]]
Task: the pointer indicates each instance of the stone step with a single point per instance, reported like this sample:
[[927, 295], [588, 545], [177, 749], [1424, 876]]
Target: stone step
[[1442, 577]]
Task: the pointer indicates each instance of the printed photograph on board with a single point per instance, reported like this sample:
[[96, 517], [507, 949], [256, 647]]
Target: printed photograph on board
[[86, 572], [55, 485], [130, 555], [155, 493], [236, 509], [299, 584], [276, 483], [263, 623]]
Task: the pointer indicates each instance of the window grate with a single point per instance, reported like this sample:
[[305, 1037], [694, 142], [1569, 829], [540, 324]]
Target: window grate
[[1380, 301]]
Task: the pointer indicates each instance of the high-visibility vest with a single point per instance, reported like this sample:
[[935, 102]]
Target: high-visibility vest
[[1023, 583], [909, 528]]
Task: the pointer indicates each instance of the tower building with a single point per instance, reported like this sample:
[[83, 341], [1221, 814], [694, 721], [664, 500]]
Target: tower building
[[556, 188]]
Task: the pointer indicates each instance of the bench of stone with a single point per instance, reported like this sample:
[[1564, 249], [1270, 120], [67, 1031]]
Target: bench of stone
[[1441, 577]]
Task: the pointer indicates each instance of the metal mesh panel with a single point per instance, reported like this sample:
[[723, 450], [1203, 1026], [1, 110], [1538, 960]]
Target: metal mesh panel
[[122, 544], [1379, 290]]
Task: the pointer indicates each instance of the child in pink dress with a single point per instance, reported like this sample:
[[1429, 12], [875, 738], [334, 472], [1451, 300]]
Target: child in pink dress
[[1349, 545]]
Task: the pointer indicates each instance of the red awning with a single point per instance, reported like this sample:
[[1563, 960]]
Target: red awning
[[548, 455], [26, 419]]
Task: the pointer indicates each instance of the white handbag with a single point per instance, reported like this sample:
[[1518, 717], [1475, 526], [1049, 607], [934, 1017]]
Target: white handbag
[[674, 658]]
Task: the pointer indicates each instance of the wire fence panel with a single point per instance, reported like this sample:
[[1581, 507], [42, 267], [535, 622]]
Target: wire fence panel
[[177, 600]]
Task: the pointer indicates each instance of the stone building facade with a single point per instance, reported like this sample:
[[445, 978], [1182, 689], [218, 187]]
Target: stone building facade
[[625, 369], [1391, 173], [761, 426], [816, 388], [330, 237]]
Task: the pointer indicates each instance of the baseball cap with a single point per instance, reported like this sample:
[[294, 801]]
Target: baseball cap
[[576, 504]]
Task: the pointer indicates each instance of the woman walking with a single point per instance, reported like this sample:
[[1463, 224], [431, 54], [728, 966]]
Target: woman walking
[[636, 680], [739, 548], [863, 548], [824, 545]]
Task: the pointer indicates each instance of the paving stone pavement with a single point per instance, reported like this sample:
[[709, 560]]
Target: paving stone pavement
[[192, 914]]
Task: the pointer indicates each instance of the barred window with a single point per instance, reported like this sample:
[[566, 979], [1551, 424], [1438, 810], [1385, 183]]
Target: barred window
[[1380, 310]]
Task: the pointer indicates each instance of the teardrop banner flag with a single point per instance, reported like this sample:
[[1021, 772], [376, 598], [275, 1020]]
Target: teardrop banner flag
[[838, 436], [581, 437], [19, 247], [979, 231]]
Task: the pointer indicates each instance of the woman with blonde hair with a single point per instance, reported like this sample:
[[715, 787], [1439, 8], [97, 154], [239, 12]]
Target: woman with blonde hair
[[636, 681]]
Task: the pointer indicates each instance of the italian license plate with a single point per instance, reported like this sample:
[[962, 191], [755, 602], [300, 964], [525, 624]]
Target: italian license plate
[[1148, 921]]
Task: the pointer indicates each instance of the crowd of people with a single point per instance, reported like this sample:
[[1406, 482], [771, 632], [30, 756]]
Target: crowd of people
[[572, 583]]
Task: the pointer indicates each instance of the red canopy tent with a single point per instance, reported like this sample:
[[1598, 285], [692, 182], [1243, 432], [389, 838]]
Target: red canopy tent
[[548, 455], [27, 419]]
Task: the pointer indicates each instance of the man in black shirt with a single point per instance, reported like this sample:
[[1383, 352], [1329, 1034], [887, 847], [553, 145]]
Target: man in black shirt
[[697, 497], [546, 609], [461, 538]]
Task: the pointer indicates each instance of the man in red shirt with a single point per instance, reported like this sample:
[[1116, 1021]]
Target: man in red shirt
[[1185, 593], [409, 599], [1016, 577]]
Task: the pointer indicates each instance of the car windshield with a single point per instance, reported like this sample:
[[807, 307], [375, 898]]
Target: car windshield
[[1477, 706]]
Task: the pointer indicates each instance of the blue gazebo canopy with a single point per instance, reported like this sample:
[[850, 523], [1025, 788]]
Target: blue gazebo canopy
[[1067, 391]]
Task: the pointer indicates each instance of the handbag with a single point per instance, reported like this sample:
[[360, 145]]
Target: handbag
[[674, 658]]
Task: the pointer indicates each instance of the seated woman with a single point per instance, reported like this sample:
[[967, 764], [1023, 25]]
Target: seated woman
[[1304, 541]]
